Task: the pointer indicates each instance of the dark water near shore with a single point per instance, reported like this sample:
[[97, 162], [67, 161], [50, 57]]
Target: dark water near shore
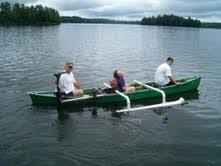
[[35, 136]]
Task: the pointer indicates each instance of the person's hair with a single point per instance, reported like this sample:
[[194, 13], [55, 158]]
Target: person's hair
[[115, 75], [68, 63], [169, 59]]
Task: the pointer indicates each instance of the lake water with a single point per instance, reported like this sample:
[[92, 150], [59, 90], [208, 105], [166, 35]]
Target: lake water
[[36, 136]]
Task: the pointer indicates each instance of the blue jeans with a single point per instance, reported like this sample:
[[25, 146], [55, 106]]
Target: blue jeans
[[169, 84], [69, 95]]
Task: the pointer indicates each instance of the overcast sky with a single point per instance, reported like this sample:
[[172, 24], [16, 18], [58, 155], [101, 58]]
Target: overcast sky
[[209, 10]]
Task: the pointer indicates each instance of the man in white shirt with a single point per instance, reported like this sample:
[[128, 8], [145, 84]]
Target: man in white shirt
[[163, 75], [67, 82]]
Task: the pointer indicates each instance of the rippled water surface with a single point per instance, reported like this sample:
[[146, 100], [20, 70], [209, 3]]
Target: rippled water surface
[[35, 135]]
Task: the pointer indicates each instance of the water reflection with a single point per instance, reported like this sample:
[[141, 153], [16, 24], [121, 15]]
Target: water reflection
[[63, 112], [70, 117], [62, 115]]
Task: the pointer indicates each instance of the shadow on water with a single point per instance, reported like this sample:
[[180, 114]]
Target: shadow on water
[[63, 112], [193, 95], [62, 115]]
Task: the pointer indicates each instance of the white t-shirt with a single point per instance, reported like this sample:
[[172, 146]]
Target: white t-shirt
[[162, 73], [66, 83]]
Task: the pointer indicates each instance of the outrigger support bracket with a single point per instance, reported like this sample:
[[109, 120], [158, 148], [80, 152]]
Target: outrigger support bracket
[[155, 89], [121, 94]]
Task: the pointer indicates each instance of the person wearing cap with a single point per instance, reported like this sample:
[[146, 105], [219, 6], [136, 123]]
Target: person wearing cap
[[163, 75], [68, 84]]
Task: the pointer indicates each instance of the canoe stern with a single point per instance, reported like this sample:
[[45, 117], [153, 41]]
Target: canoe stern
[[38, 98]]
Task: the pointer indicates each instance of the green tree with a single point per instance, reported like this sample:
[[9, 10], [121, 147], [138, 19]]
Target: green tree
[[171, 20], [19, 14]]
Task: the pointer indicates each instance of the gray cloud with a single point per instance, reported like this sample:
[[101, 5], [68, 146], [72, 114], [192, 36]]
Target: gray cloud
[[18, 1], [76, 5], [193, 6], [133, 9]]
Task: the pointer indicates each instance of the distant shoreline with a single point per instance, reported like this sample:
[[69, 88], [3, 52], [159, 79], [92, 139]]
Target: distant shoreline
[[137, 24], [178, 22], [20, 15]]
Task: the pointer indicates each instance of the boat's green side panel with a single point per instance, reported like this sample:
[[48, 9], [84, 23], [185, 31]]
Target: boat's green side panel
[[188, 84], [48, 99]]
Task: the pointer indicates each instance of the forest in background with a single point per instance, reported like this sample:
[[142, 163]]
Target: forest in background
[[18, 14], [171, 20], [76, 19]]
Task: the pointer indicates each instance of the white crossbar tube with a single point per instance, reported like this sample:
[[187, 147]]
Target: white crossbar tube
[[155, 89], [162, 105], [121, 94], [107, 85]]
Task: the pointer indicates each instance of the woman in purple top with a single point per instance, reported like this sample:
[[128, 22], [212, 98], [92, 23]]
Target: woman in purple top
[[122, 87]]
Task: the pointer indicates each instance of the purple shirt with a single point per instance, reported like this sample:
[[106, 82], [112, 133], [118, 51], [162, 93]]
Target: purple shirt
[[121, 83]]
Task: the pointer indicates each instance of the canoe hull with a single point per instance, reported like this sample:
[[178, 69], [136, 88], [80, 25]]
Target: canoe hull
[[48, 98]]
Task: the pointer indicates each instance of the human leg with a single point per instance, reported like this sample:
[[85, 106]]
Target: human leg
[[129, 89], [78, 92]]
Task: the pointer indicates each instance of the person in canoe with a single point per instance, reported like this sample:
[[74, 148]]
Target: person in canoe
[[119, 82], [163, 75], [68, 84]]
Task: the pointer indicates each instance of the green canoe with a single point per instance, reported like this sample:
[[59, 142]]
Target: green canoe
[[107, 95]]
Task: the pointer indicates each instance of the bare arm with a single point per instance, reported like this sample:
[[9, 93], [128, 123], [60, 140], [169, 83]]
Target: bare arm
[[173, 81], [77, 85]]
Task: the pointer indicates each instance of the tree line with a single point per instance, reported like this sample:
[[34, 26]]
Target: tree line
[[19, 14], [75, 19], [165, 20], [211, 25], [171, 20]]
